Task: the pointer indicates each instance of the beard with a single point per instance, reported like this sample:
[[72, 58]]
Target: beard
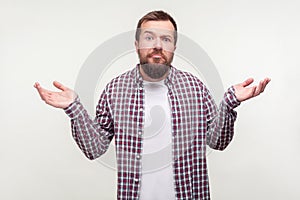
[[159, 67], [155, 71]]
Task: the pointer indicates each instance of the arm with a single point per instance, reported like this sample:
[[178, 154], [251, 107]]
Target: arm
[[221, 120], [92, 136]]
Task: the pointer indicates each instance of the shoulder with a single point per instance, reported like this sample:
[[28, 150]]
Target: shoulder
[[125, 79], [188, 79]]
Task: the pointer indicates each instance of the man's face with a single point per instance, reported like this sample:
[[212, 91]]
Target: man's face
[[155, 47]]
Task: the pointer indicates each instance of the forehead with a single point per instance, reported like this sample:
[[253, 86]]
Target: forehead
[[162, 25]]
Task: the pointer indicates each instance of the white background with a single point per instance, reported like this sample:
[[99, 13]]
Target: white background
[[50, 40]]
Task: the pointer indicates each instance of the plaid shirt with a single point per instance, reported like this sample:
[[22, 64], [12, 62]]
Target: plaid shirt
[[196, 122]]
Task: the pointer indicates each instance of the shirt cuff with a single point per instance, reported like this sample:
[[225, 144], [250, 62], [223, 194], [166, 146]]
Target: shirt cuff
[[230, 98], [74, 109]]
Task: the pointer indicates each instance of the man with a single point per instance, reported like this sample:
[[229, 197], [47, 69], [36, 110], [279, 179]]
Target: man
[[191, 118]]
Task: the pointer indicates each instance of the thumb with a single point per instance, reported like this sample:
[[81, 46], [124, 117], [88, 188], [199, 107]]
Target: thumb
[[59, 86], [247, 82]]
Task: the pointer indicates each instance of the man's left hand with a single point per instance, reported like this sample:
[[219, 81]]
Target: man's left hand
[[243, 93]]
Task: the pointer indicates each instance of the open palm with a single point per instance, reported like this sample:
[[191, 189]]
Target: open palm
[[243, 93], [60, 99]]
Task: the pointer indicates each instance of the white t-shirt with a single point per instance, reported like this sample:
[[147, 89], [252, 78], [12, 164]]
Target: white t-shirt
[[157, 181]]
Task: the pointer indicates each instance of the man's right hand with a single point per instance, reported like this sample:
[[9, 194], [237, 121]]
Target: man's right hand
[[60, 99]]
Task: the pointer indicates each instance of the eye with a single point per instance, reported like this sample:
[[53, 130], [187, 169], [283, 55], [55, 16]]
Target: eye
[[149, 38], [166, 39]]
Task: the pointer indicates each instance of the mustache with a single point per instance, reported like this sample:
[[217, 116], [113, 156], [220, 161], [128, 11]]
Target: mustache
[[157, 52]]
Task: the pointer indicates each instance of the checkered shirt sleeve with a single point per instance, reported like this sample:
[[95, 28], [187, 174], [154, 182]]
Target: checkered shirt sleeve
[[221, 120], [92, 136]]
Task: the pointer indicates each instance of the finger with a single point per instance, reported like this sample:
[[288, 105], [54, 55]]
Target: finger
[[253, 89], [39, 89], [259, 88], [268, 80], [44, 94], [59, 86], [247, 82], [36, 85], [265, 83]]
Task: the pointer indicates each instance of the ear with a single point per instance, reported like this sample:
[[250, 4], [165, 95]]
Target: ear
[[136, 44]]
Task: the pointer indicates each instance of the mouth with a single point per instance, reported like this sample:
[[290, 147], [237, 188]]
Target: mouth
[[156, 56]]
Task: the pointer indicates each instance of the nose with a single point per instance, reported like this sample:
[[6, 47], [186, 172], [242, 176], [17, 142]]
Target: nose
[[158, 44]]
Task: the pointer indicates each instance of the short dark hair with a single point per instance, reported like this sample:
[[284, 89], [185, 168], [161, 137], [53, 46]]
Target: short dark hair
[[157, 15]]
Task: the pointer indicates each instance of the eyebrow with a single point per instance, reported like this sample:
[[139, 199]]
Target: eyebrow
[[153, 33]]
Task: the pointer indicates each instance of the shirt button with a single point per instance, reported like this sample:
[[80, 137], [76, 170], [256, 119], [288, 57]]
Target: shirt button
[[138, 157], [141, 109], [136, 180], [140, 133]]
